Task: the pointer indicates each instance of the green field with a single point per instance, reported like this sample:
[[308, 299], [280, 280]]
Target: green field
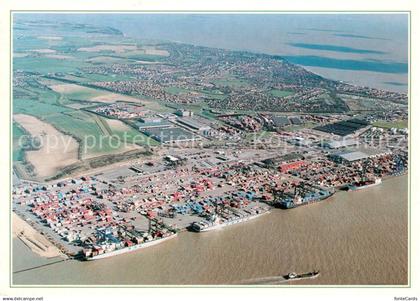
[[45, 65], [307, 125], [281, 93], [18, 132], [36, 99], [88, 132], [140, 55], [44, 95], [37, 108], [176, 90], [73, 122], [88, 77], [83, 93], [207, 114], [29, 43], [108, 59], [216, 94], [230, 82], [400, 124]]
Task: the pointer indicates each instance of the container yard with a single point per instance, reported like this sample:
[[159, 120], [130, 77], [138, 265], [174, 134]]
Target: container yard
[[147, 202]]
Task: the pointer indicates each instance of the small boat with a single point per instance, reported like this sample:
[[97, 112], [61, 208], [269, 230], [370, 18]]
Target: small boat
[[295, 276]]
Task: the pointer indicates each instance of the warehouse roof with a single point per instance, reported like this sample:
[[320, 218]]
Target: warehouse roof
[[352, 155], [341, 143]]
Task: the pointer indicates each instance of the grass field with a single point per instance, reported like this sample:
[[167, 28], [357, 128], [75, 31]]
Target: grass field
[[28, 43], [93, 141], [18, 153], [281, 93], [50, 106], [36, 108], [45, 65], [103, 59], [230, 82], [207, 114], [89, 77], [400, 124], [145, 57], [176, 90], [77, 92], [216, 94], [43, 95], [61, 107], [76, 123]]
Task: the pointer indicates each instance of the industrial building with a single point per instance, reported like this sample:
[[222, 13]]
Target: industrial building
[[343, 128], [150, 119], [299, 141], [280, 121], [349, 156], [193, 124], [156, 124], [184, 113], [339, 143], [295, 120], [171, 135]]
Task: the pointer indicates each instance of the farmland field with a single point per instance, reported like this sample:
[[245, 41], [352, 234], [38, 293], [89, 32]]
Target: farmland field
[[77, 92], [49, 89], [231, 82], [18, 132], [93, 141], [281, 93], [45, 65], [82, 93], [176, 90], [388, 125], [54, 144]]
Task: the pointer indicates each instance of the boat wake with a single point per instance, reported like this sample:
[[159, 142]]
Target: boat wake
[[265, 280], [281, 279]]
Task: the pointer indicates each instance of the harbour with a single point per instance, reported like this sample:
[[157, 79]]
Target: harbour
[[355, 238], [193, 145]]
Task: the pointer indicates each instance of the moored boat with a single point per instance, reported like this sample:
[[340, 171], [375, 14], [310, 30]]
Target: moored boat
[[309, 198], [96, 253], [364, 184], [217, 223]]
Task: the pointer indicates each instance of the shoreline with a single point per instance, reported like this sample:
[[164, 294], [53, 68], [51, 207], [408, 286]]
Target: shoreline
[[43, 247], [176, 250], [33, 239]]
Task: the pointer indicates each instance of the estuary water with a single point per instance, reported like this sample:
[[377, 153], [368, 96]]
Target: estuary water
[[362, 49], [355, 238]]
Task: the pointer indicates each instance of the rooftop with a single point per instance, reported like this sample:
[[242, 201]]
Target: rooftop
[[166, 135], [352, 155]]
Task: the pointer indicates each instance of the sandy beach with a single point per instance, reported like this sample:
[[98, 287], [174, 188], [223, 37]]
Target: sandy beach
[[32, 239]]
